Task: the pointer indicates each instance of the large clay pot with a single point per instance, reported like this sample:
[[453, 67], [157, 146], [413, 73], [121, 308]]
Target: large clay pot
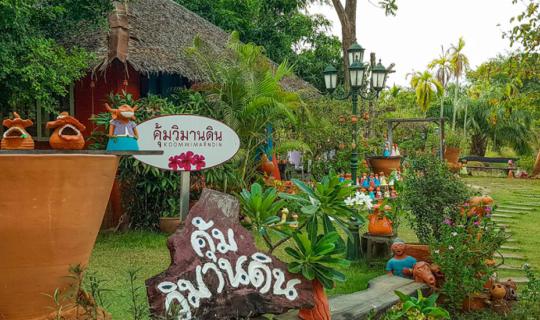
[[384, 164], [51, 208], [379, 225], [267, 166], [451, 155], [321, 311], [67, 133], [169, 225]]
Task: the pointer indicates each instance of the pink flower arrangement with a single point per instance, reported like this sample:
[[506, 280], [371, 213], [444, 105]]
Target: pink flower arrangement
[[186, 161]]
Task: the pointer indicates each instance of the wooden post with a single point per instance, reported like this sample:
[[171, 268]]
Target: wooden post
[[184, 194]]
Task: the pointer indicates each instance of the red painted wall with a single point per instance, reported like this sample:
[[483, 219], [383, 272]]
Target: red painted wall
[[90, 101]]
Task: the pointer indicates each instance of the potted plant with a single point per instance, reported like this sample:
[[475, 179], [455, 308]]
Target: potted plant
[[169, 221], [453, 142], [416, 308], [310, 220]]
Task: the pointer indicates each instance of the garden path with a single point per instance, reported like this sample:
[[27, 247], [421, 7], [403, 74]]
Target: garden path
[[517, 208]]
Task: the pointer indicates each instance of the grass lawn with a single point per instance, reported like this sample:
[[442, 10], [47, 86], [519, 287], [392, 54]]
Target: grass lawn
[[116, 254]]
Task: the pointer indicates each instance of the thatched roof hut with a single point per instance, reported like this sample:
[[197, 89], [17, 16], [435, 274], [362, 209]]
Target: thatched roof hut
[[152, 36]]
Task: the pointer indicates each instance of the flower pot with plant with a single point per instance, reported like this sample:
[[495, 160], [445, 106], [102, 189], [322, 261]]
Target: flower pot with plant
[[170, 221], [453, 142]]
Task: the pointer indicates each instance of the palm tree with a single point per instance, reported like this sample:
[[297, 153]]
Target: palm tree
[[425, 87], [460, 63], [443, 72]]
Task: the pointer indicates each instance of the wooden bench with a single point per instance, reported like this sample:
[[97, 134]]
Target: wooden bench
[[377, 298], [487, 161]]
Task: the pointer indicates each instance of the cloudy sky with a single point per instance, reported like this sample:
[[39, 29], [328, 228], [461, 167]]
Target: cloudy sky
[[414, 37]]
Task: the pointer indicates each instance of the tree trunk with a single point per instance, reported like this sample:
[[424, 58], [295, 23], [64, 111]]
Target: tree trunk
[[536, 169], [347, 18], [456, 93], [478, 144], [442, 106], [465, 123]]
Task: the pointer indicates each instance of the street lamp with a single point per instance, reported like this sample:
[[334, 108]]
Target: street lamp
[[359, 74]]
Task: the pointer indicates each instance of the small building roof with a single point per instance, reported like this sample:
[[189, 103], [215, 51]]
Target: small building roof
[[157, 33]]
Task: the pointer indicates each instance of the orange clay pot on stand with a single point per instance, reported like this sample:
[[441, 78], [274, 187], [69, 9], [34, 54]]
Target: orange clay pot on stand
[[384, 164], [379, 224], [321, 311], [67, 133], [16, 137], [51, 191]]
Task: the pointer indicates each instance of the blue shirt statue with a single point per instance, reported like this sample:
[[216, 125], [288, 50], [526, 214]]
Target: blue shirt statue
[[400, 264]]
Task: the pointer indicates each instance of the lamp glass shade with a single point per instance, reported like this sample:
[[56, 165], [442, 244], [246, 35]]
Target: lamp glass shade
[[356, 53], [356, 74], [330, 77], [378, 77]]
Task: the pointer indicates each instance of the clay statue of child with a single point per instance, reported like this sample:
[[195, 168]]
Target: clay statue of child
[[364, 181], [400, 264], [123, 133]]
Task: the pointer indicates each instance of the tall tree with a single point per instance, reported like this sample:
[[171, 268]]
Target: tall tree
[[34, 67], [526, 26], [460, 63], [426, 86], [443, 72], [283, 27], [347, 17]]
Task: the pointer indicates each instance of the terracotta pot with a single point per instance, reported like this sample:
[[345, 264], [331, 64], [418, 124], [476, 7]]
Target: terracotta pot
[[354, 119], [51, 208], [321, 311], [379, 225], [16, 137], [169, 225], [451, 155], [475, 302], [418, 251], [384, 164], [67, 133], [498, 291]]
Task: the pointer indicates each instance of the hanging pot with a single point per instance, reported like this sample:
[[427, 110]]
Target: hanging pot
[[354, 119], [321, 310]]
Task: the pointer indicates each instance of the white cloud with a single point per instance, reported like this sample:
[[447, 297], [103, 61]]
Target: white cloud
[[414, 37]]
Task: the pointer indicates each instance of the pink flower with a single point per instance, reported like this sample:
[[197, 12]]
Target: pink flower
[[447, 221], [487, 209], [199, 161], [477, 223], [174, 162], [186, 160]]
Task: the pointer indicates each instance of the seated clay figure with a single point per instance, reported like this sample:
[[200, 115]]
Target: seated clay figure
[[123, 133], [400, 264], [364, 181]]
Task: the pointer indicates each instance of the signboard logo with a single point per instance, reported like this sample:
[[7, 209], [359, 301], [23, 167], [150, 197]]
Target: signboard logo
[[188, 142]]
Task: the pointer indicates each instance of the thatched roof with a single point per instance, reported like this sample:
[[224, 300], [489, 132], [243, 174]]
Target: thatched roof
[[159, 33]]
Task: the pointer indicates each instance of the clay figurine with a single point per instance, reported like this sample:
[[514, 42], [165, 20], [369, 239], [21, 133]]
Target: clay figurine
[[400, 264], [372, 180], [382, 178], [386, 152], [386, 193], [377, 180], [67, 133], [123, 133], [422, 273], [16, 137], [371, 193], [393, 192], [378, 194], [395, 151], [364, 181]]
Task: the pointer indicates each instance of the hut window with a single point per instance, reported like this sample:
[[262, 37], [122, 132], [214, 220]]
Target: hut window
[[39, 130], [161, 84]]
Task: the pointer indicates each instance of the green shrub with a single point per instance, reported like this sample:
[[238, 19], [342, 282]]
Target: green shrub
[[431, 193]]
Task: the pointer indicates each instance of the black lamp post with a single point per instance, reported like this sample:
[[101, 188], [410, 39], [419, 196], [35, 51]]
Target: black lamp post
[[366, 82]]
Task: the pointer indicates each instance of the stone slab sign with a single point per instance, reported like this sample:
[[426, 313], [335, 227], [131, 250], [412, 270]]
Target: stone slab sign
[[217, 272]]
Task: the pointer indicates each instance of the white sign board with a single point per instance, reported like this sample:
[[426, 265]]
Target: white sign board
[[188, 142]]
